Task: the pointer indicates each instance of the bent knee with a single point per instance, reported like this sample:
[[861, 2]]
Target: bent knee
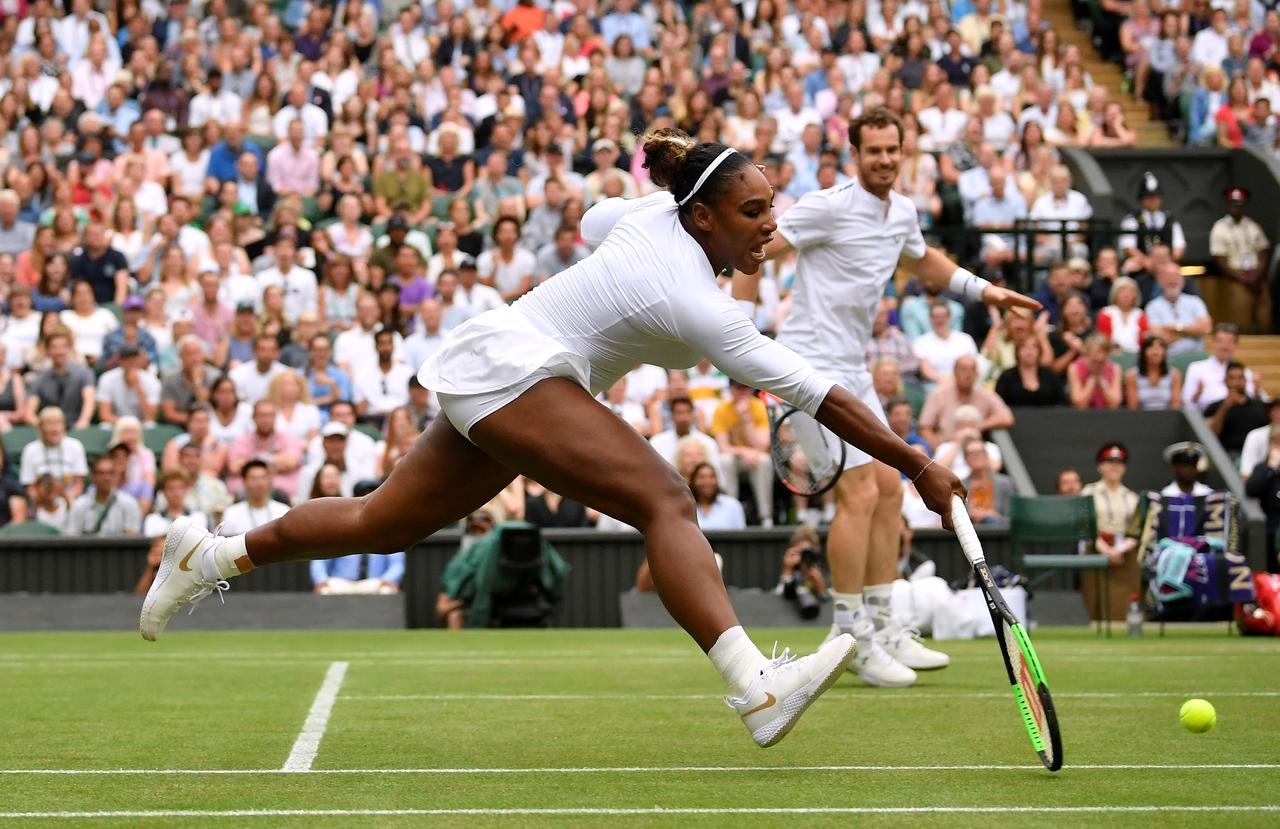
[[666, 500]]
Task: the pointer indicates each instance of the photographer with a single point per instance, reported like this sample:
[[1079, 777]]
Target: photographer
[[802, 580]]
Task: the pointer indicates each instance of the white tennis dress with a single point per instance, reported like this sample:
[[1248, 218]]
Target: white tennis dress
[[849, 243], [646, 295]]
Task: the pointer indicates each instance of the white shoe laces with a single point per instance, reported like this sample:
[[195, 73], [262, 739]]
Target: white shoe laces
[[207, 588], [776, 662]]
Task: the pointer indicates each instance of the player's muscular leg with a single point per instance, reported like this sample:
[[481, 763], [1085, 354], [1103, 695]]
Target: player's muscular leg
[[557, 434], [886, 526], [442, 479], [850, 536]]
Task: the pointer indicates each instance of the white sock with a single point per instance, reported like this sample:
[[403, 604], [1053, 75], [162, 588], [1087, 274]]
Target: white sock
[[877, 598], [737, 659], [226, 559], [846, 606]]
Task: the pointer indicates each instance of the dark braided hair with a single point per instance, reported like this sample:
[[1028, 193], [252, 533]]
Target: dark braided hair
[[675, 161]]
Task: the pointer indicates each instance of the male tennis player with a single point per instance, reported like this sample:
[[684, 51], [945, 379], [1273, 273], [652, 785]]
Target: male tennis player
[[850, 240]]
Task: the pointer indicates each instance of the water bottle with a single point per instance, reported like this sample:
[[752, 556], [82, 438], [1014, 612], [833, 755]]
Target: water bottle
[[1134, 616]]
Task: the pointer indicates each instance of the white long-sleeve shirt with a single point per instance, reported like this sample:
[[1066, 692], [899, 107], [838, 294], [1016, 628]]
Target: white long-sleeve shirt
[[646, 295]]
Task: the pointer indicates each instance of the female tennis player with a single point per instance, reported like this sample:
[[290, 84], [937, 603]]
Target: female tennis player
[[516, 384]]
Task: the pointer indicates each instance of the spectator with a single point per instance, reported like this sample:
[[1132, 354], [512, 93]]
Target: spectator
[[104, 511], [1114, 505], [22, 327], [1264, 484], [1093, 381], [384, 386], [990, 493], [334, 442], [1205, 382], [258, 506], [130, 333], [508, 268], [1234, 114], [473, 297], [1029, 382], [49, 503], [1123, 322], [129, 390], [901, 420], [135, 463], [1180, 319], [298, 283], [1236, 415], [888, 342], [252, 379], [558, 255], [1068, 482], [1255, 443], [1239, 248], [66, 386], [212, 452], [353, 349], [1187, 461], [88, 323], [13, 394], [362, 452], [914, 314], [187, 384], [403, 181], [1152, 384], [1007, 333], [683, 427], [1062, 208], [16, 235], [281, 453], [940, 407], [940, 348], [716, 511], [544, 508], [102, 266], [999, 209], [740, 426], [295, 413]]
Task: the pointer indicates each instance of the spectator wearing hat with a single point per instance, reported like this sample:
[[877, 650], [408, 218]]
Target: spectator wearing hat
[[333, 442], [104, 511], [1114, 505], [398, 233], [1236, 415], [1187, 461], [1240, 249], [130, 332], [1181, 320], [128, 390], [1205, 382], [1123, 321], [1148, 226], [605, 158]]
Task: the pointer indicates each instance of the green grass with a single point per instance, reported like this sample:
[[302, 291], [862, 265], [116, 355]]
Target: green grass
[[411, 700]]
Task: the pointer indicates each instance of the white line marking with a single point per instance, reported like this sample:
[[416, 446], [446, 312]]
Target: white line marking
[[871, 695], [308, 742], [648, 769], [659, 810]]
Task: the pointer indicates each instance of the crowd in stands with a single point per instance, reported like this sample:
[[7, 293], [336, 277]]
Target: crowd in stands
[[231, 231]]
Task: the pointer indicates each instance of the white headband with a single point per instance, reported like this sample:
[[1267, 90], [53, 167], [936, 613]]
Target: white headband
[[702, 179]]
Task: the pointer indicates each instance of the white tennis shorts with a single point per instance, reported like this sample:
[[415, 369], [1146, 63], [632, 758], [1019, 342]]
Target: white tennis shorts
[[817, 443]]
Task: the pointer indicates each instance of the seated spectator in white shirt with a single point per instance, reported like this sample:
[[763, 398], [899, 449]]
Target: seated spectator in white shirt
[[1206, 380], [385, 385], [427, 337], [258, 507], [1060, 208], [939, 349], [104, 511], [129, 390], [1256, 443], [509, 267], [1180, 319], [353, 349], [473, 297], [716, 511], [253, 379], [362, 451], [943, 122], [315, 480], [54, 453], [683, 428], [965, 426]]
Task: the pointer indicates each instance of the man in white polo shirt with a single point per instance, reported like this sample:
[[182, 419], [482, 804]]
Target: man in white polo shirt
[[851, 239]]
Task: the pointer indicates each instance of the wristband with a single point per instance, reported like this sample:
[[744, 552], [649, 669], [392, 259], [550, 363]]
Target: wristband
[[968, 285]]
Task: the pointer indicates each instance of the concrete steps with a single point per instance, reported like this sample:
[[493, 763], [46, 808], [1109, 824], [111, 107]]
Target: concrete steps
[[1262, 354], [1150, 133]]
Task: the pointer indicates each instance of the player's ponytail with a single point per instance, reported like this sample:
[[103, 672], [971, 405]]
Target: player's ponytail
[[691, 171]]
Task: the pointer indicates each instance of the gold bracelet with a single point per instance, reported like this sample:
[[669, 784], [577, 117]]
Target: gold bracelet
[[921, 472]]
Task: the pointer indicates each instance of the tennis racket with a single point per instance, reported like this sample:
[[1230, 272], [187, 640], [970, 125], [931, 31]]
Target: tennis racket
[[808, 458], [1030, 690]]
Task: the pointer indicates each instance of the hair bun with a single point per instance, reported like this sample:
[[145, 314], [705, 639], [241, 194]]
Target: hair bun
[[665, 152]]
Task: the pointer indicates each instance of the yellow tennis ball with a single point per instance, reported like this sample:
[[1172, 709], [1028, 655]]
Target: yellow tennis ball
[[1197, 716]]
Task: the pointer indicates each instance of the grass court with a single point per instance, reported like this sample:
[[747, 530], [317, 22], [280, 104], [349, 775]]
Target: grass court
[[619, 728]]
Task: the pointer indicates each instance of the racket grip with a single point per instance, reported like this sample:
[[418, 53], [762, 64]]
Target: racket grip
[[964, 531]]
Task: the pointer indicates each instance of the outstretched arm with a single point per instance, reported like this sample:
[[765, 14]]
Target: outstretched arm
[[937, 271]]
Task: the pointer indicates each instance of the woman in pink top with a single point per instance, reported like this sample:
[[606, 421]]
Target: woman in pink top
[[1094, 381]]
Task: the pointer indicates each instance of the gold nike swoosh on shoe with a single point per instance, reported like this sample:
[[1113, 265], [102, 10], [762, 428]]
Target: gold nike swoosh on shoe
[[182, 565], [769, 701]]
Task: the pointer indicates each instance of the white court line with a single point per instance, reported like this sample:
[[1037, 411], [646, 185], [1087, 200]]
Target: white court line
[[874, 695], [656, 810], [308, 742], [646, 769]]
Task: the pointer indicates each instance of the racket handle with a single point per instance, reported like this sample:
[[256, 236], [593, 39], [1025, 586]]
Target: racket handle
[[964, 531]]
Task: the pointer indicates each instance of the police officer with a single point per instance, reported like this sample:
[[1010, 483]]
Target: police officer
[[1150, 226]]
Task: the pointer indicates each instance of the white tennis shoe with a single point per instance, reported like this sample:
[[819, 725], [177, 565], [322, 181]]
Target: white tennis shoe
[[902, 642], [187, 575], [870, 662], [787, 686]]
